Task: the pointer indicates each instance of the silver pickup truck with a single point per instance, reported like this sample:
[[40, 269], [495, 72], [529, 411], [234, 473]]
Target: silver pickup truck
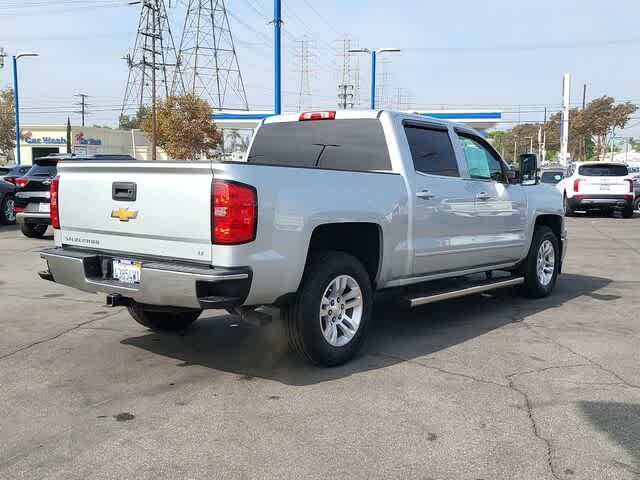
[[327, 209]]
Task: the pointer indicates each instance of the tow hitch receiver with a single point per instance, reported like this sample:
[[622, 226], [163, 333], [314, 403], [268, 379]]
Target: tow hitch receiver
[[117, 300]]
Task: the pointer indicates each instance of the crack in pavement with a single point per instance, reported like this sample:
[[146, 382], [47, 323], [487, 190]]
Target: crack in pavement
[[534, 425], [57, 335], [622, 380]]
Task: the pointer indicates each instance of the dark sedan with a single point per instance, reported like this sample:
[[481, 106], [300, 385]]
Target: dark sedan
[[7, 203], [10, 173]]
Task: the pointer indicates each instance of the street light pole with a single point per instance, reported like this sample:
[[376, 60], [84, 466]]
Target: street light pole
[[16, 102], [154, 117], [374, 56], [372, 103]]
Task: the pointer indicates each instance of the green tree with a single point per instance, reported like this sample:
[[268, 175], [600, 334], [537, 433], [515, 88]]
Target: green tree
[[185, 127], [7, 122], [133, 122]]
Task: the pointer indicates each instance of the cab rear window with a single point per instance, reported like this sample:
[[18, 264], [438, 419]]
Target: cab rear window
[[332, 144], [604, 170]]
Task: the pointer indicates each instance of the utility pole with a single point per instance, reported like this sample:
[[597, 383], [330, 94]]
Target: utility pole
[[154, 118], [83, 104], [345, 96], [564, 130], [304, 92]]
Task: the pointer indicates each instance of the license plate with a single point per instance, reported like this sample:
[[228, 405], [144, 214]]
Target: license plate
[[44, 207], [605, 187], [126, 271]]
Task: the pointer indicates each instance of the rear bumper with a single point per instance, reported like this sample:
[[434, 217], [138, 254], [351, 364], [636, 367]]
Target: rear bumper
[[35, 218], [162, 283], [600, 201]]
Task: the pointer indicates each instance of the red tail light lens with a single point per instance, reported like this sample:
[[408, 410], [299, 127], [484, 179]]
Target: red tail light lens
[[22, 182], [576, 185], [325, 115], [630, 185], [10, 179], [234, 213], [54, 199]]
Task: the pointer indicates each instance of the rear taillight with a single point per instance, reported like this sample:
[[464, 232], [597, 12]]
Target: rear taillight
[[18, 209], [234, 213], [10, 179], [576, 185], [630, 185], [21, 182], [324, 115], [54, 199]]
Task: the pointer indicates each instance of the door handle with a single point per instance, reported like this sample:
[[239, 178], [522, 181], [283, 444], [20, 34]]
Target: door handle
[[425, 194], [483, 196]]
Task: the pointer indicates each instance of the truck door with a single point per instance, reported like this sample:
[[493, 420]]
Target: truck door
[[500, 207], [444, 204]]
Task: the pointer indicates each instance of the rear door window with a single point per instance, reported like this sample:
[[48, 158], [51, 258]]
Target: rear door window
[[604, 170], [432, 151], [42, 171], [332, 144]]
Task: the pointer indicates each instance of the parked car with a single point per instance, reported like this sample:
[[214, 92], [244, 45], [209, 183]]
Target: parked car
[[32, 198], [328, 208], [552, 175], [598, 186], [7, 213], [9, 174]]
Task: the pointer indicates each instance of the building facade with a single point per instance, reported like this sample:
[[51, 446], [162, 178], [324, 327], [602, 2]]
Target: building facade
[[41, 140]]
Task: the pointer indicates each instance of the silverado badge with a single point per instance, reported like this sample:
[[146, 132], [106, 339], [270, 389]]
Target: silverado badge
[[124, 214]]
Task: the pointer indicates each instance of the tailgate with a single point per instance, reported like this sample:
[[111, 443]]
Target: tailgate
[[159, 209], [604, 185]]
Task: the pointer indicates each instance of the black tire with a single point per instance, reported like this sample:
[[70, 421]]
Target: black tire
[[302, 317], [163, 321], [627, 212], [568, 211], [532, 286], [636, 204], [7, 215], [34, 230]]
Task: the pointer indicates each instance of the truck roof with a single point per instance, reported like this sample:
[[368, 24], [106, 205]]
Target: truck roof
[[366, 114]]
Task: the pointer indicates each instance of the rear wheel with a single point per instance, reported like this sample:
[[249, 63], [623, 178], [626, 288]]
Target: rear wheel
[[568, 211], [540, 268], [627, 212], [33, 230], [163, 321], [328, 320], [7, 212]]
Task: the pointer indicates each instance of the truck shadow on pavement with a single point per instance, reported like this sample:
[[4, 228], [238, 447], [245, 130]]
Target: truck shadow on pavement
[[621, 423], [227, 344]]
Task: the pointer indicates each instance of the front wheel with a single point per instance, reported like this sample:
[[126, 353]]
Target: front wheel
[[328, 320], [34, 230], [540, 268], [158, 320], [7, 211]]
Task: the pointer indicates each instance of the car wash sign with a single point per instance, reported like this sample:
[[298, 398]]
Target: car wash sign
[[44, 140]]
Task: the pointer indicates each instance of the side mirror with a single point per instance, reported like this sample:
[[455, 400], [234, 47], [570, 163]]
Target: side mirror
[[528, 163]]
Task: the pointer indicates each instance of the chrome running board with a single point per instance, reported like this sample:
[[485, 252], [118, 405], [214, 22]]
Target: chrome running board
[[415, 301]]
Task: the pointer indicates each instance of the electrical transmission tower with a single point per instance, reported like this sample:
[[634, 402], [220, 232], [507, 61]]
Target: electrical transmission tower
[[207, 57], [346, 87], [153, 60], [304, 92]]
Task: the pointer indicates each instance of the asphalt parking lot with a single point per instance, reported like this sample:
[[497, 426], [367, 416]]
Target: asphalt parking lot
[[486, 387]]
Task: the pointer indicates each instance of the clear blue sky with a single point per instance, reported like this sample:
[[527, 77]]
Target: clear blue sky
[[498, 53]]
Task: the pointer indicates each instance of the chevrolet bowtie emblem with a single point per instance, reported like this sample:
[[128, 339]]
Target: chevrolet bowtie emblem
[[124, 214]]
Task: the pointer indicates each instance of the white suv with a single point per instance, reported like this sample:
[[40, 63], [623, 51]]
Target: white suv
[[597, 185]]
